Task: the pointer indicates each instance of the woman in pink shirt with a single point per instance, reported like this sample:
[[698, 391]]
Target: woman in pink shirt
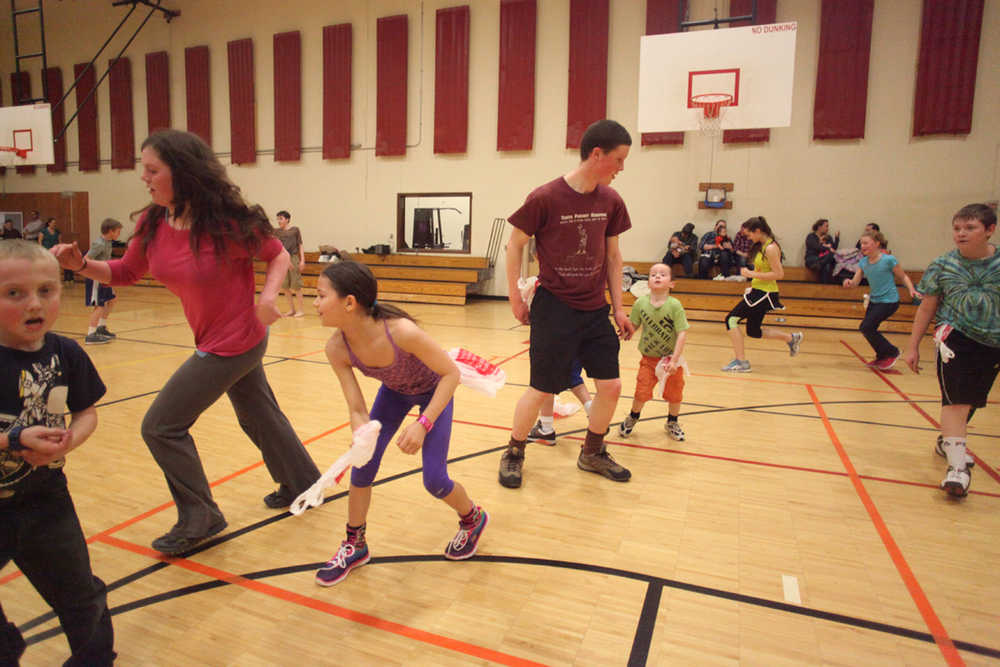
[[200, 238]]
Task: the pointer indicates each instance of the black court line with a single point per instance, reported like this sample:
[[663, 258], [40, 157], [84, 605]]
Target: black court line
[[647, 619]]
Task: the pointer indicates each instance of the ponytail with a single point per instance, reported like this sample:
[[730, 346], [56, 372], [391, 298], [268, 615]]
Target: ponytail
[[356, 279]]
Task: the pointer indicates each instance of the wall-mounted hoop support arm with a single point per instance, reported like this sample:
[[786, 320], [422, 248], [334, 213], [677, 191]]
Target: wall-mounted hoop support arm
[[684, 25], [134, 3]]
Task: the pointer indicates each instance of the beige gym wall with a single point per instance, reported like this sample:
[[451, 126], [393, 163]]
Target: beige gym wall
[[909, 186]]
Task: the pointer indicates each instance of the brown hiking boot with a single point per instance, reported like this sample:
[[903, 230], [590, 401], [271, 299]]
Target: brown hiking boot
[[510, 466], [603, 464]]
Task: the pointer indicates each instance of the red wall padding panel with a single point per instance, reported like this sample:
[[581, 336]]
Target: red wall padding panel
[[199, 96], [86, 119], [516, 104], [451, 80], [20, 91], [338, 47], [157, 91], [845, 41], [946, 71], [122, 124], [287, 96], [390, 123], [54, 81], [662, 17], [767, 12], [242, 102], [588, 67]]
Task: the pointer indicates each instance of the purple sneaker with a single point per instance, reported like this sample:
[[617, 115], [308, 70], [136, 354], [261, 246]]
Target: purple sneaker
[[465, 542], [348, 557]]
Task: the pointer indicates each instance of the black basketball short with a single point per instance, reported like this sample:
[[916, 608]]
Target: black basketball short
[[966, 378], [561, 334], [754, 305]]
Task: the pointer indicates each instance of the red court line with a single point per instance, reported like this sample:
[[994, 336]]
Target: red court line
[[781, 466], [981, 463], [934, 624], [744, 378], [156, 510], [505, 360], [478, 652]]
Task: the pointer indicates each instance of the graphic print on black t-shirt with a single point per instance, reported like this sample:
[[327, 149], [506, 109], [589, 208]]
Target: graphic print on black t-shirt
[[43, 403], [40, 389]]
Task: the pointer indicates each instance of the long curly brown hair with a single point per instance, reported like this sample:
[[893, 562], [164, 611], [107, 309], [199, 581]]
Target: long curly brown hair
[[203, 191]]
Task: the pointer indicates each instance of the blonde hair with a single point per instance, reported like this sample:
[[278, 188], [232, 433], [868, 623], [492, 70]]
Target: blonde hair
[[21, 249], [877, 237]]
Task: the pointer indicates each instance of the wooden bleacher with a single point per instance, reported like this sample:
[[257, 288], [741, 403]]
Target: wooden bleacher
[[410, 277], [808, 304]]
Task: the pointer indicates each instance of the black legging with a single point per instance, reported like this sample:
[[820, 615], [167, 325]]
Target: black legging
[[823, 266]]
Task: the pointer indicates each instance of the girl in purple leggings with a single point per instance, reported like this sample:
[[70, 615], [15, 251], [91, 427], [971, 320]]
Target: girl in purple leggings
[[383, 342]]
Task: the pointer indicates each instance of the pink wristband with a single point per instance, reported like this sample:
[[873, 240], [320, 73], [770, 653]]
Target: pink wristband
[[425, 422]]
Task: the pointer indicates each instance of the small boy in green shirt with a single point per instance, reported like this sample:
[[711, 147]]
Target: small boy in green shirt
[[664, 331]]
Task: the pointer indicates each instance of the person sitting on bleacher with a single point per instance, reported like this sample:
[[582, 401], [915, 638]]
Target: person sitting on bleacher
[[820, 247], [741, 248], [683, 250], [716, 248]]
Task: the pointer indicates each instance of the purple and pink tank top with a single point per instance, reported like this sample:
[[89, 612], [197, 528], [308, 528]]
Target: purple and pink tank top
[[405, 375]]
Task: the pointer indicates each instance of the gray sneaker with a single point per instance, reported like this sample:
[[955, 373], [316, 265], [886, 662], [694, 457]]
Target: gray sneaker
[[603, 464], [737, 366], [103, 330], [795, 343], [625, 428], [96, 338], [510, 466], [540, 436]]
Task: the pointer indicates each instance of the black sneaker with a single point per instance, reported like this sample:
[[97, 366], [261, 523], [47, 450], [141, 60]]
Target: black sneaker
[[103, 330], [603, 464], [173, 545], [542, 437], [510, 466], [280, 499]]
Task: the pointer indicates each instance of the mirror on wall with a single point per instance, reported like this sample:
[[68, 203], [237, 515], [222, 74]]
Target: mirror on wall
[[434, 222]]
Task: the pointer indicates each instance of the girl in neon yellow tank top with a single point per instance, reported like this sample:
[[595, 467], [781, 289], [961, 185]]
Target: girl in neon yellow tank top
[[761, 297]]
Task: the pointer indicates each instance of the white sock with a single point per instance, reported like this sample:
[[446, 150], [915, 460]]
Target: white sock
[[548, 423], [954, 449], [91, 330], [102, 322], [586, 407]]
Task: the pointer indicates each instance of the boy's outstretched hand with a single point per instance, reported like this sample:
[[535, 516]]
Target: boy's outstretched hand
[[912, 359]]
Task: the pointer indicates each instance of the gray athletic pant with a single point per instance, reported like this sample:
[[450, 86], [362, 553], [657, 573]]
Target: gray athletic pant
[[195, 386]]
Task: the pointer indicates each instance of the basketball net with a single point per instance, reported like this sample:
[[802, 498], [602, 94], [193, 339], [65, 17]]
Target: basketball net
[[713, 106], [20, 152]]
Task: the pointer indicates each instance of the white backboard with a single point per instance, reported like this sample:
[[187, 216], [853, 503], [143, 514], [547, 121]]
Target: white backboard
[[755, 65], [28, 128]]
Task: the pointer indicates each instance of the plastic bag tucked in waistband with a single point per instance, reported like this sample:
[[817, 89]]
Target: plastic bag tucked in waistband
[[526, 286], [477, 373], [661, 372]]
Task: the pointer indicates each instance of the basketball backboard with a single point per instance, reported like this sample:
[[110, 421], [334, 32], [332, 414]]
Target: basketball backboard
[[26, 135], [753, 66]]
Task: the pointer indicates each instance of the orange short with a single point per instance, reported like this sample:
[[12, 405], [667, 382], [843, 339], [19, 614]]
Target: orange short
[[645, 382]]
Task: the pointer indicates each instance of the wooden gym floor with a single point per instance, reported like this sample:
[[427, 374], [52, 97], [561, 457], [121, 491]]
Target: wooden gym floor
[[799, 523]]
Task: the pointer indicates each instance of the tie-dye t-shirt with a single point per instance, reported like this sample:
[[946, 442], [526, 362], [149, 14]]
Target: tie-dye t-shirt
[[969, 294]]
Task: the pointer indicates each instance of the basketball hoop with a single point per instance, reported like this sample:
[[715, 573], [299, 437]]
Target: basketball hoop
[[20, 152], [713, 107]]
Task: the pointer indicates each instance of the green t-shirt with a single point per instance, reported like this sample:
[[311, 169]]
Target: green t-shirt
[[660, 326], [969, 294]]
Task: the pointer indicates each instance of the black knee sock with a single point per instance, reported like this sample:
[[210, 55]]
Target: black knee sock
[[633, 415]]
